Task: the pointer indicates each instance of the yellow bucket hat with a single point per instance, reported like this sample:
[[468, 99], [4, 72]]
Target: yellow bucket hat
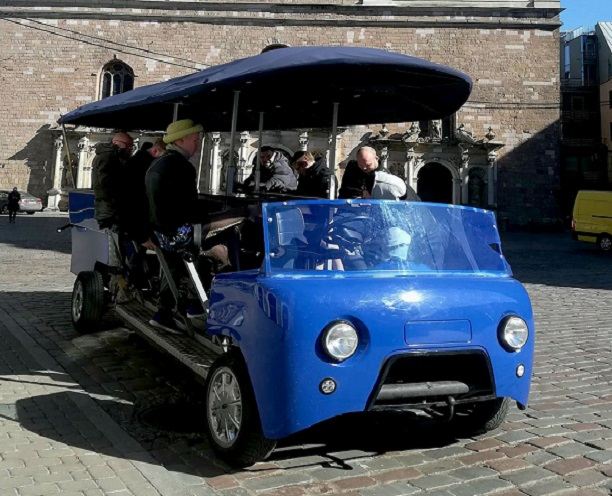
[[180, 129]]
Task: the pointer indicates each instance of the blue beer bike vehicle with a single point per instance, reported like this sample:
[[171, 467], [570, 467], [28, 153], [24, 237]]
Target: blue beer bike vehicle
[[335, 306]]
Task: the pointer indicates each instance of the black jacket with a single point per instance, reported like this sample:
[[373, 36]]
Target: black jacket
[[133, 204], [13, 200], [354, 181], [172, 192], [277, 178], [106, 179], [315, 180]]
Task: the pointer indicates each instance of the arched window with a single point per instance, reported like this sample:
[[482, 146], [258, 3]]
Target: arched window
[[117, 77]]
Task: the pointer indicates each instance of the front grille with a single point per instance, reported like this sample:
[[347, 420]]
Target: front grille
[[468, 372]]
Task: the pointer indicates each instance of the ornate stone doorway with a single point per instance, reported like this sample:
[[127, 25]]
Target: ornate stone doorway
[[435, 183]]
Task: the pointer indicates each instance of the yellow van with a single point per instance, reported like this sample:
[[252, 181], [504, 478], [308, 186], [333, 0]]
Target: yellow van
[[592, 218]]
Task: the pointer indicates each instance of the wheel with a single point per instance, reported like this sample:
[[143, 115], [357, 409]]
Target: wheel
[[483, 416], [604, 241], [232, 420], [30, 213], [87, 301]]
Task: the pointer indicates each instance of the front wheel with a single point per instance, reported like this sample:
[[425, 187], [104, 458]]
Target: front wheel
[[233, 425], [87, 301], [604, 241], [483, 416]]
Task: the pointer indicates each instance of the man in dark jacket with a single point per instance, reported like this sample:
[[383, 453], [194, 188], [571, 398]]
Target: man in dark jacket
[[275, 175], [13, 204], [134, 206], [171, 185], [314, 176], [363, 174], [107, 171]]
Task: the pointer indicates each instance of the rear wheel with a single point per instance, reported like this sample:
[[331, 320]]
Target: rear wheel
[[87, 301], [483, 416], [233, 425], [604, 241]]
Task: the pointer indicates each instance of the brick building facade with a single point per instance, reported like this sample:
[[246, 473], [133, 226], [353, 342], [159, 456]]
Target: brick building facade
[[501, 150]]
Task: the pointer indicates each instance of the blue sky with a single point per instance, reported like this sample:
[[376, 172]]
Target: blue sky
[[585, 13]]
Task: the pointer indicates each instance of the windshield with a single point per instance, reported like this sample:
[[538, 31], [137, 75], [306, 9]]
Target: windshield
[[374, 235]]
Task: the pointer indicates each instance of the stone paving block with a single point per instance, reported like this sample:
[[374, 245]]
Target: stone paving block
[[550, 487], [326, 474], [478, 487], [528, 476], [437, 467], [393, 489], [39, 490], [571, 450], [564, 467], [587, 478], [400, 474], [504, 465], [472, 473], [540, 458], [354, 483], [436, 481], [276, 481], [375, 464]]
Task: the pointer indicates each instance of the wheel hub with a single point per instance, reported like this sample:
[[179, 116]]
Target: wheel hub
[[224, 407], [77, 301]]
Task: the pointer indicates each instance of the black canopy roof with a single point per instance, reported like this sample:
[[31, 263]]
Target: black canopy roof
[[295, 87]]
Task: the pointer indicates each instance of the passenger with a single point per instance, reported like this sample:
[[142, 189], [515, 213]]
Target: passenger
[[395, 249], [314, 176], [173, 199], [106, 178], [275, 174], [359, 174], [134, 211], [364, 178]]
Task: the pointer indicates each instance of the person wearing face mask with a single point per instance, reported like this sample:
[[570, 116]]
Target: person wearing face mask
[[275, 175], [106, 178]]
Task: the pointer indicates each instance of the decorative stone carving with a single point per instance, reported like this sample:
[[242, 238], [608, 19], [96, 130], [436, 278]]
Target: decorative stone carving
[[303, 140], [412, 135], [435, 130], [476, 187]]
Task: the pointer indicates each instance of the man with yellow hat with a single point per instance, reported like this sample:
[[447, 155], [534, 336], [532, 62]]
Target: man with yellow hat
[[173, 198]]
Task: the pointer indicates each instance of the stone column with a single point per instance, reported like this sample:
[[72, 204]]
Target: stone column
[[55, 193], [303, 137], [456, 191], [83, 151], [463, 172], [243, 157], [491, 189], [215, 163], [409, 167]]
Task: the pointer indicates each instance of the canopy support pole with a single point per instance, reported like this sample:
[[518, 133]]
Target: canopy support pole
[[231, 166], [332, 154], [257, 159], [175, 114]]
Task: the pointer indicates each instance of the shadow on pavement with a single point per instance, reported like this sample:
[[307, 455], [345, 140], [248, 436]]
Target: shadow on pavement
[[160, 404], [554, 259], [36, 232]]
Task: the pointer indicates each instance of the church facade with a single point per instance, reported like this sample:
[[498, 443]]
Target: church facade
[[499, 151]]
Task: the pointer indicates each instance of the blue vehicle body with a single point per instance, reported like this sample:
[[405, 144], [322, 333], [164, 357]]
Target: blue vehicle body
[[446, 314]]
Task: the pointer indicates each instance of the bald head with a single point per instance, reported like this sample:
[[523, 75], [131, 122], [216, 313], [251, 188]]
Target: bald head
[[124, 142], [367, 159]]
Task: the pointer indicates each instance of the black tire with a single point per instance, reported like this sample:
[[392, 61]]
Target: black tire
[[483, 416], [30, 213], [87, 304], [604, 241], [248, 444]]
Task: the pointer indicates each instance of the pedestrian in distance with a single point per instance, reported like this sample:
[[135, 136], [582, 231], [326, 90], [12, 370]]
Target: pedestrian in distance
[[13, 204]]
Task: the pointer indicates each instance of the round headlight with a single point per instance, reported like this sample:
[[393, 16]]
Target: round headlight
[[513, 333], [340, 340]]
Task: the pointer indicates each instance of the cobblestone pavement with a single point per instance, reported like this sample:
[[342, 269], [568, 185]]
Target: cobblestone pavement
[[106, 414]]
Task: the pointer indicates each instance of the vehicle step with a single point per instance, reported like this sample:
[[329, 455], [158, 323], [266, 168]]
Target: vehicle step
[[186, 350]]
